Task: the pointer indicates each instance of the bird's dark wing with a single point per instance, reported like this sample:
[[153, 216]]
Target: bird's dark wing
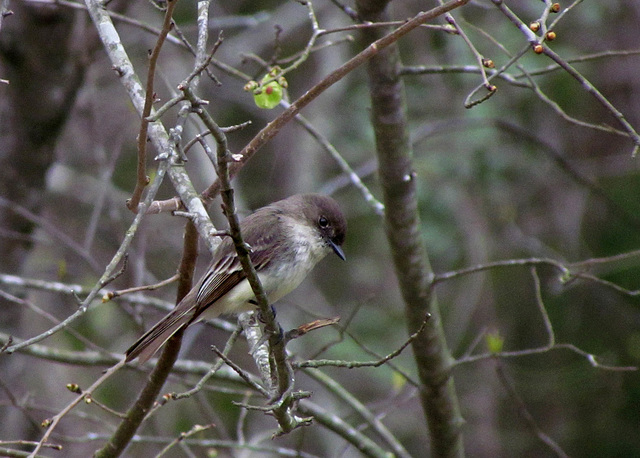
[[225, 271], [223, 274]]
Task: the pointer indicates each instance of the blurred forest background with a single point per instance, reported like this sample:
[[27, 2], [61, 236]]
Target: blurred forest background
[[532, 173]]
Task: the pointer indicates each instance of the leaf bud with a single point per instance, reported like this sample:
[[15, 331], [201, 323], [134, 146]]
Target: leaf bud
[[488, 63]]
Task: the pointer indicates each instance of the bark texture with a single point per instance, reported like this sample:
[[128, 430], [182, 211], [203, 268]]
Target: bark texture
[[410, 257]]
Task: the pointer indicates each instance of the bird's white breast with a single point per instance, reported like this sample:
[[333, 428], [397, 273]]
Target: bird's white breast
[[281, 276]]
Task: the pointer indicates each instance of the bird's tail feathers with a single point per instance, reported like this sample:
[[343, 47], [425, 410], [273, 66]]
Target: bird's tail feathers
[[147, 345]]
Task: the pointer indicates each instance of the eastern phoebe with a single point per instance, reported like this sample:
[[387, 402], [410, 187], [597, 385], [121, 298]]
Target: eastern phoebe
[[287, 239]]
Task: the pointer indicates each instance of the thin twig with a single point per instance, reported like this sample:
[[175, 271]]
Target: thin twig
[[355, 180], [591, 89], [113, 294], [491, 89], [525, 414], [51, 319], [354, 364], [185, 435], [55, 232], [243, 375], [370, 25], [548, 327], [142, 179], [345, 430], [214, 368], [53, 422]]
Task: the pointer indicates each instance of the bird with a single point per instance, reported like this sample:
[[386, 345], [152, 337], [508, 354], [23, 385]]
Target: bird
[[287, 239]]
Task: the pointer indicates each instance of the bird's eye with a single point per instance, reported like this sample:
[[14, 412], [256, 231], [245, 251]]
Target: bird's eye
[[323, 222]]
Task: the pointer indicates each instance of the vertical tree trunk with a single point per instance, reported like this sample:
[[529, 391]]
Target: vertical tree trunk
[[36, 51], [403, 232], [44, 74]]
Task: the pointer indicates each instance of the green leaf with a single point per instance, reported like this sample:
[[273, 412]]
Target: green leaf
[[269, 96], [495, 342]]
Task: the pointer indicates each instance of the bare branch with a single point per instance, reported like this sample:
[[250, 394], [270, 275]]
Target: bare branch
[[142, 178]]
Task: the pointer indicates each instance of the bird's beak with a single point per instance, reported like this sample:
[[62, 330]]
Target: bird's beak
[[337, 250]]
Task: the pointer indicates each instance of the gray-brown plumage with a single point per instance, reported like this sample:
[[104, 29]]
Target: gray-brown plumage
[[287, 239]]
